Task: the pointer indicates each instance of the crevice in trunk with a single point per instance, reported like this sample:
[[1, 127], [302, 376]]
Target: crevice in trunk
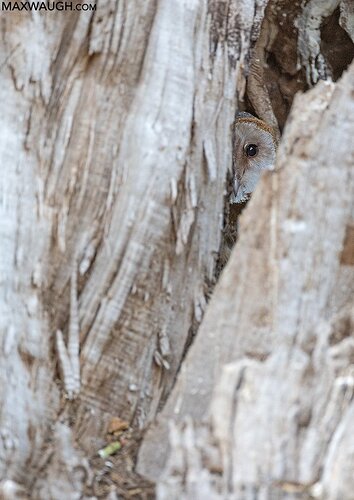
[[283, 77]]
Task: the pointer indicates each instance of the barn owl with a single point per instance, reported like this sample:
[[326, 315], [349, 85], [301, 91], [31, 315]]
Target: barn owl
[[254, 147]]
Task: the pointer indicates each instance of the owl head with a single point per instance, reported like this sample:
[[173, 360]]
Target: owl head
[[254, 149]]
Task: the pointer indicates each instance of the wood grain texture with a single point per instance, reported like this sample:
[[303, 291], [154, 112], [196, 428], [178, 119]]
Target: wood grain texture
[[115, 148], [263, 405]]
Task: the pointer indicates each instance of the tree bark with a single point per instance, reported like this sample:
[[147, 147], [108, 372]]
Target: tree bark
[[115, 149], [265, 398]]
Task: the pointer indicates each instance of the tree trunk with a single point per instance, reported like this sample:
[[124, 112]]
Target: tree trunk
[[115, 152], [268, 384]]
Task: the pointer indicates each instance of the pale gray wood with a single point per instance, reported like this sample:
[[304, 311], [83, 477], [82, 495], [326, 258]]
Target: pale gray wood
[[263, 407], [114, 147]]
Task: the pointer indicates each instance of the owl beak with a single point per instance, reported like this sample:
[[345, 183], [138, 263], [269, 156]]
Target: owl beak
[[235, 186]]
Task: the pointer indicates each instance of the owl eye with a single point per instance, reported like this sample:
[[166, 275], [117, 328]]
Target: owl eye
[[251, 149]]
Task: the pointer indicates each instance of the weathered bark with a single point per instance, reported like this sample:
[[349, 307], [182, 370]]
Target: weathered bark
[[115, 147], [271, 371]]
